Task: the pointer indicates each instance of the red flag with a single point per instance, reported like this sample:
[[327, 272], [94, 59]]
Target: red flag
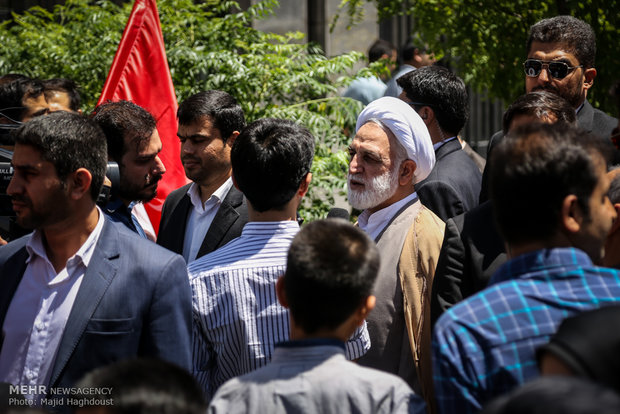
[[140, 74]]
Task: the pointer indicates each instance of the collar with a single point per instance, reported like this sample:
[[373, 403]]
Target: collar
[[311, 342], [579, 107], [527, 264], [441, 143], [35, 247], [218, 195], [114, 205], [374, 223], [261, 227]]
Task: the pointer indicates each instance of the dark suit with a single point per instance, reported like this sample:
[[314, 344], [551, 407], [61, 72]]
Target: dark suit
[[227, 223], [471, 252], [134, 300], [453, 185], [589, 119]]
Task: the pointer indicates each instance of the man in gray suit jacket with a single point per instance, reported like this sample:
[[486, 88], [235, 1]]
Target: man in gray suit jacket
[[440, 98], [201, 217], [80, 291]]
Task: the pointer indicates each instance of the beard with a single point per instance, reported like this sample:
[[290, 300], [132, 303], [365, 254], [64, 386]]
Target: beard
[[143, 191], [571, 94], [376, 190]]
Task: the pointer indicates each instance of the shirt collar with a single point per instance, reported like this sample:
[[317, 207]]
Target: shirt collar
[[218, 195], [445, 141], [35, 246], [530, 263], [374, 223]]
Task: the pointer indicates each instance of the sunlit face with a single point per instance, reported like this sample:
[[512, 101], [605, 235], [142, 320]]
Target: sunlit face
[[34, 106], [572, 87], [373, 176], [39, 198], [141, 169], [58, 101], [204, 154], [594, 230]]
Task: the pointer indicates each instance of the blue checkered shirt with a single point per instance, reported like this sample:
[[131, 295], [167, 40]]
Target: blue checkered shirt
[[486, 345]]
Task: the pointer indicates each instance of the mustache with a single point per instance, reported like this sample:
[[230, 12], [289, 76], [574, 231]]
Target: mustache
[[548, 88], [153, 179], [189, 158], [20, 198]]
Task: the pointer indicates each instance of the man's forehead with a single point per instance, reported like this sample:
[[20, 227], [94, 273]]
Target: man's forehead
[[27, 155], [145, 144], [552, 50]]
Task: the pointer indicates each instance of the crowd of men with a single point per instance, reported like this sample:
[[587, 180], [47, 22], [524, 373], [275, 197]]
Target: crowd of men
[[460, 284]]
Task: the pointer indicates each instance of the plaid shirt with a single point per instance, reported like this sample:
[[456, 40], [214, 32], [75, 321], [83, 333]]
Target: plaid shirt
[[486, 345]]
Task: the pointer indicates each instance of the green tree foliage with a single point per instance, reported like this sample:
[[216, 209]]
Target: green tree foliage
[[210, 45], [487, 38]]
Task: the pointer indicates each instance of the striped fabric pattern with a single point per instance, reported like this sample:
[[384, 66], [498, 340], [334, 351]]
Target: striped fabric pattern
[[486, 345], [237, 317]]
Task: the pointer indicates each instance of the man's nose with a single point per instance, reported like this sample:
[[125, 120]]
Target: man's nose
[[159, 165]]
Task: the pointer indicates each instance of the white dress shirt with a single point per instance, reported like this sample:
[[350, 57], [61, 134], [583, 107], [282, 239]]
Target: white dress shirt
[[200, 217], [373, 224], [38, 313]]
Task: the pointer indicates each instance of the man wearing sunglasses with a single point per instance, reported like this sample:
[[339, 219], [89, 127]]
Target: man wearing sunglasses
[[560, 59]]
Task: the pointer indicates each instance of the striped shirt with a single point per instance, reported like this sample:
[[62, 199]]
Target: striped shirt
[[237, 317], [486, 345]]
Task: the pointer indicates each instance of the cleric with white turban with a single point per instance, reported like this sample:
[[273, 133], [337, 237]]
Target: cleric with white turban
[[390, 154], [407, 127]]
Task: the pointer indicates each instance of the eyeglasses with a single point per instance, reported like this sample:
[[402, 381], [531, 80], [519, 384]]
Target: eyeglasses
[[557, 70]]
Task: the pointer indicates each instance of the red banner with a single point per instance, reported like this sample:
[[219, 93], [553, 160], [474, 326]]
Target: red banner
[[140, 74]]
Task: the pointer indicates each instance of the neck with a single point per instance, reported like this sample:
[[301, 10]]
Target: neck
[[341, 333], [287, 213], [207, 188], [62, 240]]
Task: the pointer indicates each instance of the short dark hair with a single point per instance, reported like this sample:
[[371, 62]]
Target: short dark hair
[[443, 91], [574, 34], [556, 395], [64, 85], [13, 94], [270, 158], [379, 48], [222, 109], [539, 104], [533, 169], [331, 268], [69, 141], [145, 385], [120, 120]]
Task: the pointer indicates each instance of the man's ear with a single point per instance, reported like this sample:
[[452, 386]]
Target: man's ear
[[305, 185], [588, 77], [280, 292], [364, 309], [571, 214], [616, 225], [406, 170], [427, 114], [79, 183], [232, 138]]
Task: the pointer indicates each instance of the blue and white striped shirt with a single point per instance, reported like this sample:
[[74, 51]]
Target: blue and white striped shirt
[[237, 316], [486, 345]]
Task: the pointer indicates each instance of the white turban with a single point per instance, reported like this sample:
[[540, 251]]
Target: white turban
[[407, 127]]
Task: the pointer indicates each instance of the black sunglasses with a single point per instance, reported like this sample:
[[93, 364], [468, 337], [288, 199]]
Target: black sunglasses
[[557, 70]]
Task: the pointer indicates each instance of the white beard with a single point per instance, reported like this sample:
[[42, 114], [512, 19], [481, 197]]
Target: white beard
[[375, 192]]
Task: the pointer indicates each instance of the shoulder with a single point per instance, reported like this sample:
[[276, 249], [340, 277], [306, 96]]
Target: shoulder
[[134, 250], [177, 194]]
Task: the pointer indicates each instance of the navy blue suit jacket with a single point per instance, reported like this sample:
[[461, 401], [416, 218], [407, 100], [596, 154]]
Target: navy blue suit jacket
[[134, 300]]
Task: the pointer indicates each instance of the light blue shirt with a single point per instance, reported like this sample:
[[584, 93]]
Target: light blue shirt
[[313, 376], [237, 317], [365, 90], [392, 87]]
